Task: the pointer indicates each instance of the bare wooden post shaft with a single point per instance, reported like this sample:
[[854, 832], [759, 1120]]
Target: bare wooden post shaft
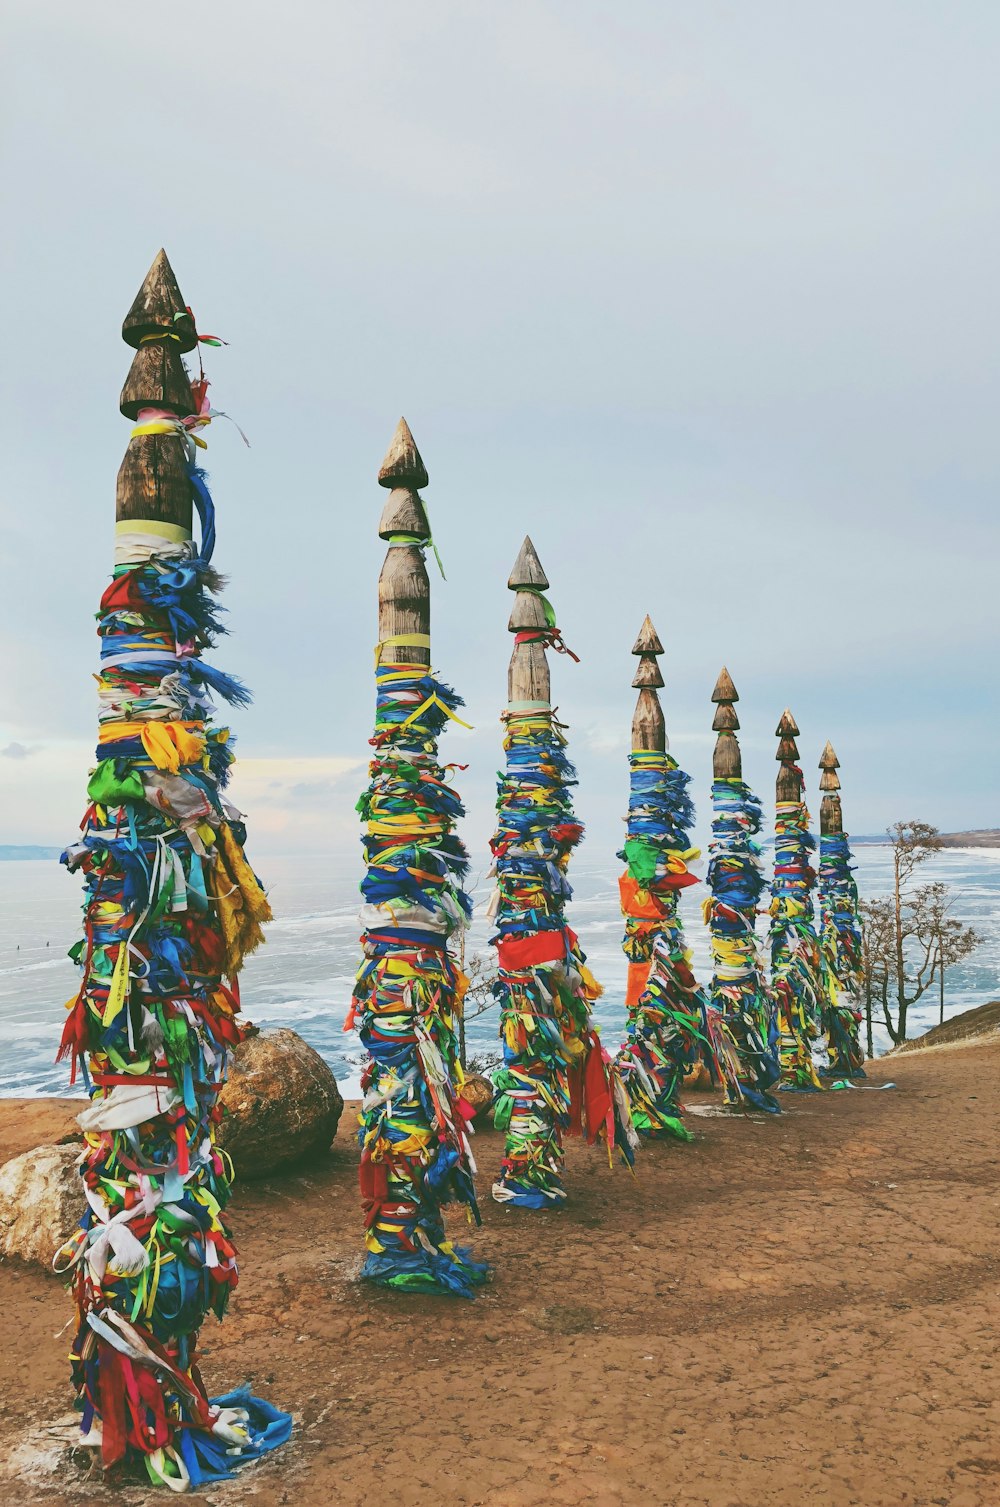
[[727, 762], [788, 786], [404, 593], [831, 816], [153, 481], [649, 732], [528, 675]]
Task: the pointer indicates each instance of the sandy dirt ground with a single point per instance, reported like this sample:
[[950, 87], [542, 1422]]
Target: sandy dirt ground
[[788, 1312]]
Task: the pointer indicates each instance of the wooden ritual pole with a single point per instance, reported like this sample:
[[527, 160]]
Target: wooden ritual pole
[[415, 1150], [840, 936], [735, 880], [171, 908], [671, 1026], [795, 961], [556, 1078]]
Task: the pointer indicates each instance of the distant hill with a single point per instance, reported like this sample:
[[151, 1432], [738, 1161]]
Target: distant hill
[[9, 852], [980, 837]]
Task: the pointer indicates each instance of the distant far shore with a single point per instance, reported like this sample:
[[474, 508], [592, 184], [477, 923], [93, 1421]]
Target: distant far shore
[[982, 837]]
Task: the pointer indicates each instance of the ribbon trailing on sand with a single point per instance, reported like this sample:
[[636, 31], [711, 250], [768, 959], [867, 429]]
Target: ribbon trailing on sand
[[840, 948], [171, 909], [672, 1027], [556, 1076], [795, 960], [416, 1154], [739, 990]]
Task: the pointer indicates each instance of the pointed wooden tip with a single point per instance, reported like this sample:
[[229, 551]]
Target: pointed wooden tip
[[527, 569], [403, 466], [647, 674], [787, 751], [724, 688], [157, 379], [648, 641], [159, 309], [404, 514], [828, 759], [787, 726]]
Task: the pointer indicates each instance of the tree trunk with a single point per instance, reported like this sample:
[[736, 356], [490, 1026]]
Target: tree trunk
[[900, 961]]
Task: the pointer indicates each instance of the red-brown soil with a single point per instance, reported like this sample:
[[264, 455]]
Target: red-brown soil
[[788, 1312]]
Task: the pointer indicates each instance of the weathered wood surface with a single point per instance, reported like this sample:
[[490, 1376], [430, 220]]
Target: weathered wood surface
[[402, 465], [527, 569], [831, 816], [404, 605], [528, 676], [727, 761], [158, 307], [157, 379], [649, 729], [153, 481]]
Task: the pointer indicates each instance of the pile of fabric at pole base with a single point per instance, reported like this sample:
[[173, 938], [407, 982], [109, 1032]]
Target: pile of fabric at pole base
[[739, 991], [671, 1025], [171, 909], [795, 959], [556, 1077], [840, 947], [416, 1154]]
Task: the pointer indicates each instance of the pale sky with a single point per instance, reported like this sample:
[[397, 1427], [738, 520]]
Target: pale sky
[[702, 296]]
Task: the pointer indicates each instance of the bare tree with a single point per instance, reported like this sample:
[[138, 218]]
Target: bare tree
[[909, 937], [479, 998]]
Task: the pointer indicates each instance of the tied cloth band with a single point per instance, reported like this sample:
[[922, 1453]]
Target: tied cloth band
[[414, 541], [551, 638], [405, 640]]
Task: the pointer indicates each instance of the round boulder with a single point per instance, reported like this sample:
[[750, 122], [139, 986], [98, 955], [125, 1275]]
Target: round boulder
[[41, 1201], [478, 1091], [281, 1103]]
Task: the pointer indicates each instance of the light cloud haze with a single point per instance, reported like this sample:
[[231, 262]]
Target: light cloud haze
[[701, 296]]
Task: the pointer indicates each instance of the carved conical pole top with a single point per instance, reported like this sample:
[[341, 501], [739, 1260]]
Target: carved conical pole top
[[528, 677], [527, 569], [404, 473], [404, 592], [153, 480], [649, 732], [724, 688], [831, 818], [159, 309], [727, 762], [648, 641], [788, 786], [403, 466]]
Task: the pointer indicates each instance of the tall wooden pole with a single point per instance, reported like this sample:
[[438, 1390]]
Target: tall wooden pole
[[840, 935], [670, 1023], [556, 1077], [795, 962], [739, 990], [171, 908], [415, 1150]]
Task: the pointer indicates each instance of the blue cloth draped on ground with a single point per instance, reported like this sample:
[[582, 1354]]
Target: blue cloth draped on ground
[[738, 987], [556, 1076], [416, 1154], [840, 948], [171, 908], [795, 962], [672, 1027]]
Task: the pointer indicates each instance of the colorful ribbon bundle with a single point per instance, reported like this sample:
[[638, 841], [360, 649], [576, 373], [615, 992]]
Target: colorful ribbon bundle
[[795, 961], [415, 1125], [840, 948], [669, 1025], [738, 988], [171, 909], [556, 1075]]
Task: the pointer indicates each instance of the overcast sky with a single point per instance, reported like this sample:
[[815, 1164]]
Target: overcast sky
[[702, 296]]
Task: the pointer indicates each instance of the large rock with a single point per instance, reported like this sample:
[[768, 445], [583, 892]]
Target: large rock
[[478, 1091], [282, 1103], [41, 1200]]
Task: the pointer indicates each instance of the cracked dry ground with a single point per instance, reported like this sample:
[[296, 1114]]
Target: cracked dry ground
[[790, 1311]]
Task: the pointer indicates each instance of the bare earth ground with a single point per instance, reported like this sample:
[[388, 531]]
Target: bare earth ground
[[792, 1311]]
